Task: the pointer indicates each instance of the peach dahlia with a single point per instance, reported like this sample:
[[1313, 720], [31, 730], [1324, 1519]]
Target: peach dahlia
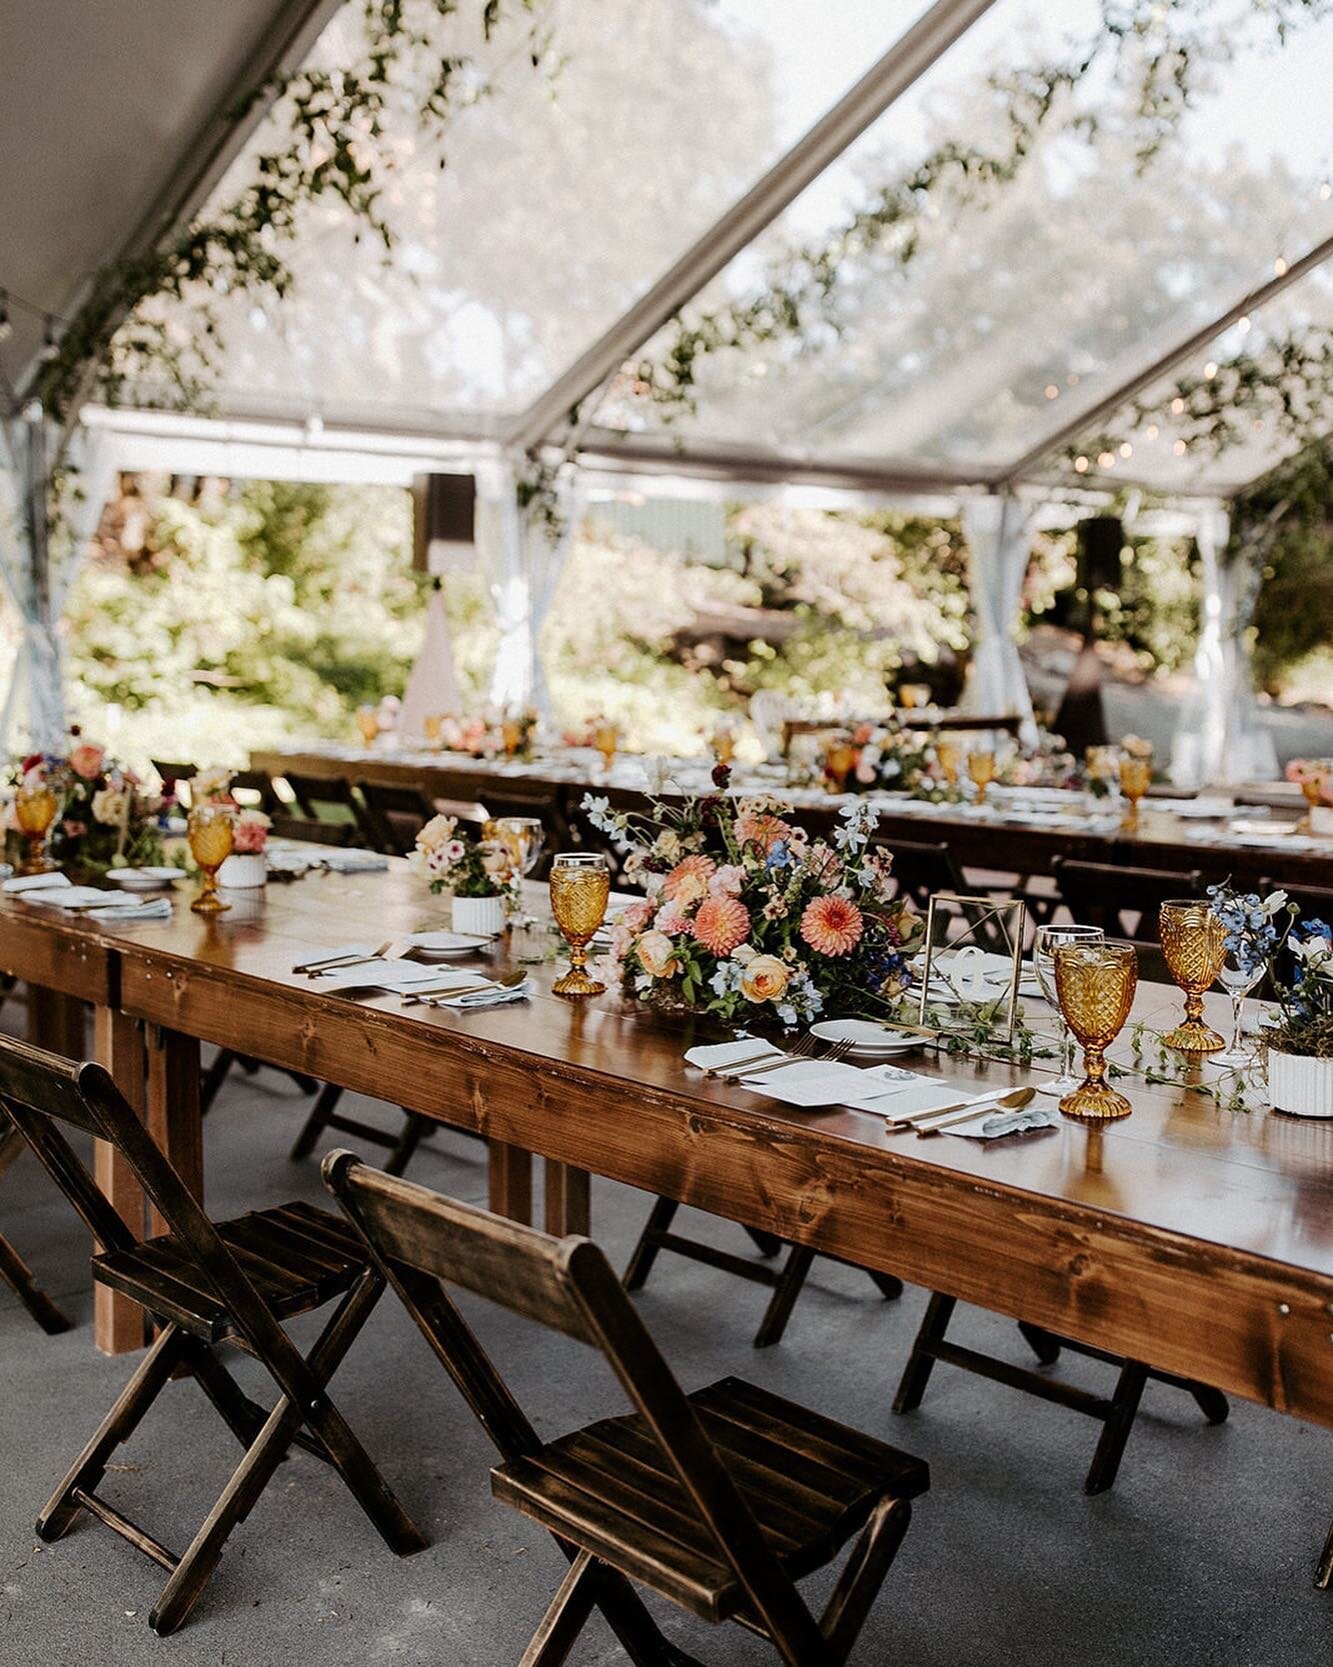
[[832, 925], [722, 924]]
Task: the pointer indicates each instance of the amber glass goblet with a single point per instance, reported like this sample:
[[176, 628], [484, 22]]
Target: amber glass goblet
[[1135, 780], [211, 830], [981, 769], [950, 755], [606, 738], [580, 886], [1194, 944], [367, 721], [432, 724], [839, 762], [35, 809], [511, 736], [1095, 983], [1311, 782]]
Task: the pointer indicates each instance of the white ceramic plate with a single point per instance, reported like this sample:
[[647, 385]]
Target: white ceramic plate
[[447, 946], [869, 1040], [145, 879]]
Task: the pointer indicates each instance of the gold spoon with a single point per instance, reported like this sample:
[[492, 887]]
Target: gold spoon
[[1013, 1101]]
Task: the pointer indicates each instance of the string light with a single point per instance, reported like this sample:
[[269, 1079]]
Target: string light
[[1210, 370], [6, 326], [1106, 460], [1178, 406], [1243, 324], [1325, 192], [1081, 465], [1126, 450], [1052, 392], [1280, 267], [1152, 431], [1180, 448]]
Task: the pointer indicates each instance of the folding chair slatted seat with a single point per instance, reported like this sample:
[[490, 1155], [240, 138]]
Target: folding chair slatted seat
[[718, 1501], [1115, 1412], [203, 1284]]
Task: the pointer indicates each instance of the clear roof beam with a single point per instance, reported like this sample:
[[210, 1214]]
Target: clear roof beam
[[903, 64], [284, 45], [1087, 420]]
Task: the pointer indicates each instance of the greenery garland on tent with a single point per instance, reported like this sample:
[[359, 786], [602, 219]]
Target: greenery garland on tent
[[1161, 56]]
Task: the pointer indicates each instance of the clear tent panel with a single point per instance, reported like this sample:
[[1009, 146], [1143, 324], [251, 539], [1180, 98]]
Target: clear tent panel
[[1032, 302], [1166, 452], [567, 190]]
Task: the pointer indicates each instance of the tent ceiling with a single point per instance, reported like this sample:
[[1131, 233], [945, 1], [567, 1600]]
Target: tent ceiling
[[566, 203]]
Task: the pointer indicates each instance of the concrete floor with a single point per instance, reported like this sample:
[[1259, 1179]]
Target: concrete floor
[[1201, 1557]]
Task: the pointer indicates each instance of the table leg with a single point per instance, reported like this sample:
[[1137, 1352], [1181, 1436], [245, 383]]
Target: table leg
[[174, 1116], [510, 1177], [56, 1022], [567, 1199], [118, 1323]]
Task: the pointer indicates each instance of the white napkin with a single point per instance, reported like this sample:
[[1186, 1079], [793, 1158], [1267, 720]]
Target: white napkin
[[36, 882], [376, 975], [158, 909], [72, 897], [353, 862], [717, 1056], [929, 1094], [489, 998], [810, 1082], [1001, 1123]]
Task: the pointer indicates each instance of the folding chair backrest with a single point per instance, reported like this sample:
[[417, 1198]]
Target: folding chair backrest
[[42, 1090], [569, 1286], [399, 814], [329, 799], [1124, 901], [922, 869]]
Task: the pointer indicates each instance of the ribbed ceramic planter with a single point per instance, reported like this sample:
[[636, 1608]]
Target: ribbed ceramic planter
[[1300, 1085], [1321, 820], [483, 916], [244, 871]]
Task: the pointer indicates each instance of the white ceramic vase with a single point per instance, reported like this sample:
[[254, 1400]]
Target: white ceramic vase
[[1300, 1085], [244, 871], [1321, 820], [482, 916]]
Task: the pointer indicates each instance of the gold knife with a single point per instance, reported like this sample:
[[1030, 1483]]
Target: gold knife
[[1013, 1101]]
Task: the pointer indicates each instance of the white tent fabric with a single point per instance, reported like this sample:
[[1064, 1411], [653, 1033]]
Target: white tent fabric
[[433, 684], [1219, 739], [523, 553], [998, 529], [33, 713]]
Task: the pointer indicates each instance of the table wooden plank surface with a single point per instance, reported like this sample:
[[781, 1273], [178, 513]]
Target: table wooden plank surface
[[1198, 1239]]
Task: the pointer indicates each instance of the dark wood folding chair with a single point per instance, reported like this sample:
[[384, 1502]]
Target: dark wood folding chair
[[333, 803], [785, 1281], [1116, 1413], [1124, 903], [719, 1501], [13, 1269], [398, 813], [204, 1285]]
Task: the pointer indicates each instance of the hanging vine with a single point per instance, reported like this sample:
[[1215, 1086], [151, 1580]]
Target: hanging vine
[[1161, 54], [330, 122]]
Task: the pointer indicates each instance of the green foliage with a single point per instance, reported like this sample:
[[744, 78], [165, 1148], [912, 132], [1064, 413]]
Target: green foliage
[[1287, 519], [271, 611]]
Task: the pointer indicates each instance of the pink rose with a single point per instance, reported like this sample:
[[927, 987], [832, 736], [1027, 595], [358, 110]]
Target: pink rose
[[672, 920], [865, 773], [728, 881], [637, 916], [86, 760]]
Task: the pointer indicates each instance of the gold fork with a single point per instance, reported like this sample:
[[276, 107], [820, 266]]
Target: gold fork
[[802, 1048]]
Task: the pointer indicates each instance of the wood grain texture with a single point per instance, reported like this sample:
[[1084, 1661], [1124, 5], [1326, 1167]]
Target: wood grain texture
[[1194, 1239]]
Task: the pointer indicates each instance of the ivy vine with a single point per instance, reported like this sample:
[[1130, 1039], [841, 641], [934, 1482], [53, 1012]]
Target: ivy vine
[[330, 122], [1160, 53]]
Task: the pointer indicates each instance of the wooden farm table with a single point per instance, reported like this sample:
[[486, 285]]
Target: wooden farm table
[[1160, 839], [1195, 1239]]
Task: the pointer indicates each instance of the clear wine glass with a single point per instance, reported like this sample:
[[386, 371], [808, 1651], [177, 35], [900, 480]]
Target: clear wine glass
[[1238, 977], [523, 837], [1044, 946]]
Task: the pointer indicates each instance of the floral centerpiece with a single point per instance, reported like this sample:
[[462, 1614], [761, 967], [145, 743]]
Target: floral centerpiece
[[106, 815], [1298, 1039], [1047, 762], [749, 918], [479, 874], [1314, 777]]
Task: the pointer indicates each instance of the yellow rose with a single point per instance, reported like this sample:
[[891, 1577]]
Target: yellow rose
[[657, 955], [765, 979]]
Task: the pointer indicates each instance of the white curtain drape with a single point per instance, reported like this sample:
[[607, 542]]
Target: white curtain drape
[[523, 556], [1218, 738], [998, 529], [33, 714]]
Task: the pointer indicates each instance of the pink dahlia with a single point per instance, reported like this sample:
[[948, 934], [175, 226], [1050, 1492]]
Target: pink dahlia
[[832, 925], [688, 880], [722, 924]]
